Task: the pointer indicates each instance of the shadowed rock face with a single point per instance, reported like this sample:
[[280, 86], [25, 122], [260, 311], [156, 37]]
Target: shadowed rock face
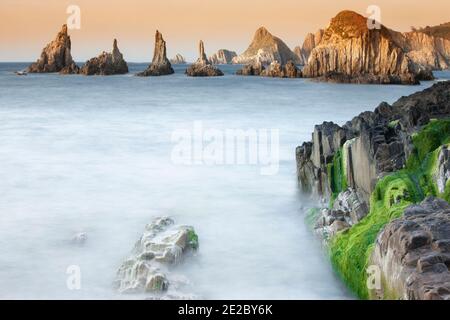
[[106, 63], [222, 56], [56, 56], [375, 143], [160, 65], [202, 67], [350, 52], [413, 253], [266, 48], [178, 59]]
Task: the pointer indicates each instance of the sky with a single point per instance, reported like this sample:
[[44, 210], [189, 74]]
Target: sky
[[26, 26]]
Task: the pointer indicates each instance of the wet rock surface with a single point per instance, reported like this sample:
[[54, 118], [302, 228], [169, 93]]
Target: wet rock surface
[[160, 65], [56, 56], [106, 63], [413, 253], [150, 268]]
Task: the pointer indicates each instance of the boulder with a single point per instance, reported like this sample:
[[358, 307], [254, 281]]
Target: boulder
[[162, 245], [413, 254], [56, 56], [203, 67], [106, 63], [160, 65]]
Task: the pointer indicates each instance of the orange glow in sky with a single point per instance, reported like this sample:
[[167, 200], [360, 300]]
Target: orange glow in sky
[[27, 25]]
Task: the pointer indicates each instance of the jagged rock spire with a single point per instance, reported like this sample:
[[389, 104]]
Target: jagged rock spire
[[160, 64]]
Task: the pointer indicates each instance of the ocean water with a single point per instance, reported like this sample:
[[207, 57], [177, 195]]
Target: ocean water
[[94, 155]]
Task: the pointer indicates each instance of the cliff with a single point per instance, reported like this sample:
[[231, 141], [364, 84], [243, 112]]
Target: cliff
[[426, 50], [350, 52], [222, 56], [266, 49], [311, 41], [56, 56], [203, 67], [106, 63], [370, 171], [160, 65]]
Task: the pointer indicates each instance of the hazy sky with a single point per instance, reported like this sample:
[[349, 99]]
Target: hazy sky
[[27, 25]]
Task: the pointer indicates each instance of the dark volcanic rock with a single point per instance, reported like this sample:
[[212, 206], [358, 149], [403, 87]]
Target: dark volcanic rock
[[203, 68], [106, 63], [413, 253], [160, 65], [56, 56], [373, 143]]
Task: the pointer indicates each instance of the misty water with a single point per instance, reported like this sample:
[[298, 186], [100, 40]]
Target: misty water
[[93, 155]]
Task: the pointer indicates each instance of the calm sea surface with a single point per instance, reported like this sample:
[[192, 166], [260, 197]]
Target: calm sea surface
[[94, 155]]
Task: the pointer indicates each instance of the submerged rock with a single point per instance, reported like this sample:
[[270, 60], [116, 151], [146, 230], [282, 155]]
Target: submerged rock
[[413, 254], [203, 67], [178, 59], [160, 65], [162, 245], [106, 63], [56, 56]]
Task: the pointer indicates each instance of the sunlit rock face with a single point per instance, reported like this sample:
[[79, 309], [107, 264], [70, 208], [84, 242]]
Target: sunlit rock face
[[56, 56], [203, 67], [148, 269], [178, 59], [106, 63], [222, 56], [266, 48], [351, 52], [160, 65]]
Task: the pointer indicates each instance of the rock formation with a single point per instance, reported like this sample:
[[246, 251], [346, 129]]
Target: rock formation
[[147, 270], [266, 48], [276, 70], [56, 56], [252, 69], [178, 59], [413, 254], [351, 52], [202, 67], [426, 50], [366, 170], [160, 65], [106, 63], [222, 56], [299, 54], [311, 41]]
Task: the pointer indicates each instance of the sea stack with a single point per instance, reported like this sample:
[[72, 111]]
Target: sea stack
[[203, 67], [106, 63], [266, 48], [351, 52], [160, 65], [222, 56], [56, 56], [277, 70], [178, 59]]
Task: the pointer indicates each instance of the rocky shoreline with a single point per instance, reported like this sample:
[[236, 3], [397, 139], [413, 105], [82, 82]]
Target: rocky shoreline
[[381, 176]]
